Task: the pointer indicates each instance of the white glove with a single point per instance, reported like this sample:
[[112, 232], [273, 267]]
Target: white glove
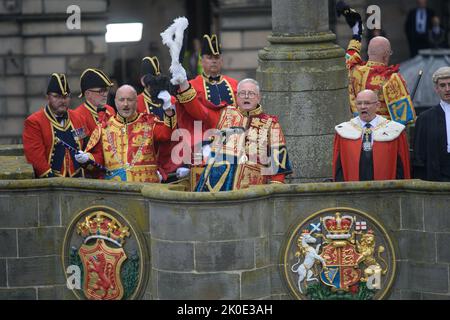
[[182, 172], [165, 97], [82, 157], [159, 175], [178, 74]]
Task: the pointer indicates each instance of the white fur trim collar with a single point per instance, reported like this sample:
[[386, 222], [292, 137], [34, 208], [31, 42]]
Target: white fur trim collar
[[386, 130]]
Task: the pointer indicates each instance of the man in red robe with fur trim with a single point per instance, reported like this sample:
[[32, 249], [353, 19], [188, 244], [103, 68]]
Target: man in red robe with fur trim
[[370, 147], [49, 132]]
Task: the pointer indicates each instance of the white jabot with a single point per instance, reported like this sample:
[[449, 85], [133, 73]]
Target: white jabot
[[446, 107]]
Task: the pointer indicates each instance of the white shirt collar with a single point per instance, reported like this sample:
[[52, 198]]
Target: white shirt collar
[[374, 122], [445, 106]]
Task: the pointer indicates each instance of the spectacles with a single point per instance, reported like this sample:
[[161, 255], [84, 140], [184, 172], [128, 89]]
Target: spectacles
[[59, 96], [100, 91], [367, 103], [245, 94]]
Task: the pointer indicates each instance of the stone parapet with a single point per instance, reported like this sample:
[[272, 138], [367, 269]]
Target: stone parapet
[[226, 245]]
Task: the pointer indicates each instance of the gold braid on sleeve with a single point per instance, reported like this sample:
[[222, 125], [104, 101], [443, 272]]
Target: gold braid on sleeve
[[187, 95]]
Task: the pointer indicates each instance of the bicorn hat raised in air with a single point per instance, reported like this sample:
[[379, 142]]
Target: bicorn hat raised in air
[[150, 65], [210, 45], [93, 78], [58, 84]]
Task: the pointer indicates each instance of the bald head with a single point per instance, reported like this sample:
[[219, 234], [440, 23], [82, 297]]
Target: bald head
[[379, 49], [126, 101]]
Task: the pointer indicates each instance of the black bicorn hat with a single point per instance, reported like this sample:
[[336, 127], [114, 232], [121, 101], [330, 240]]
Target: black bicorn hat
[[150, 65], [58, 84], [93, 78], [210, 45]]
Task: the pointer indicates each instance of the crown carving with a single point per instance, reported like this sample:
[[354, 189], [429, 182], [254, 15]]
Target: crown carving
[[338, 227], [100, 225]]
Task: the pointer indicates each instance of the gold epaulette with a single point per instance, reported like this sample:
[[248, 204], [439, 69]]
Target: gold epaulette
[[187, 95], [354, 45]]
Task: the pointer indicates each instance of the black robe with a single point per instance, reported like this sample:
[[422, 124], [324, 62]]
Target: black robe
[[430, 145]]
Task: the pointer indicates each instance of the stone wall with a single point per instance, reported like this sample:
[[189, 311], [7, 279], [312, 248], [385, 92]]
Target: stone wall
[[35, 43], [218, 246]]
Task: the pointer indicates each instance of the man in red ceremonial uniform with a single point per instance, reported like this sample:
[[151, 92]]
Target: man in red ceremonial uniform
[[52, 135], [213, 90], [370, 147], [124, 143], [253, 144], [95, 86], [151, 101], [375, 74]]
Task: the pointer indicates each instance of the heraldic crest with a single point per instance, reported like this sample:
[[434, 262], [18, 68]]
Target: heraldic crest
[[106, 250], [339, 253]]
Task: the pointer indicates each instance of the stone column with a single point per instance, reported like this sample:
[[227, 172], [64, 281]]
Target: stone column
[[304, 82]]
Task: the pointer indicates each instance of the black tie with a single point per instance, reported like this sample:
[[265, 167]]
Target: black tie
[[366, 160], [211, 78], [61, 118]]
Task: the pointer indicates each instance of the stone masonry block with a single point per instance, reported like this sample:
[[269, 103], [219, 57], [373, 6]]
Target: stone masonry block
[[193, 286], [10, 45], [41, 66], [437, 217], [224, 255], [443, 252], [59, 27], [172, 256], [35, 104], [432, 296], [40, 241], [38, 85], [255, 284], [49, 209], [231, 40], [241, 59], [16, 106], [256, 39], [202, 223], [416, 246], [31, 6], [9, 28], [18, 294], [37, 271], [11, 126], [429, 277], [2, 272], [33, 46], [8, 240], [12, 85], [262, 252], [412, 212], [14, 216], [65, 45], [86, 6]]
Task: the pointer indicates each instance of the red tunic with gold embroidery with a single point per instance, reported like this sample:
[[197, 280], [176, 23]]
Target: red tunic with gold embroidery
[[145, 104], [385, 80], [89, 113], [209, 95], [42, 150], [126, 148]]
